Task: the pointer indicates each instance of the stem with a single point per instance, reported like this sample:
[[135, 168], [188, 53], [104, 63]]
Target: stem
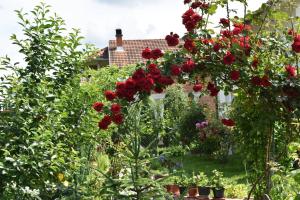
[[254, 185], [264, 19], [268, 159]]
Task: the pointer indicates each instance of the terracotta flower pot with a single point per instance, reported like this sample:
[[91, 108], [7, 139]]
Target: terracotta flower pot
[[174, 189], [168, 188], [193, 191]]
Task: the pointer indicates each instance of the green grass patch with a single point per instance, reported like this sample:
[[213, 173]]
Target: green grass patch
[[233, 169]]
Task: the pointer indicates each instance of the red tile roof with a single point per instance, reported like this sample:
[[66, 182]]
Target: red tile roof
[[132, 50]]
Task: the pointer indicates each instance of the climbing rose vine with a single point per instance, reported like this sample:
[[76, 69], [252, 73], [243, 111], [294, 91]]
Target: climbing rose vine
[[261, 65], [232, 58]]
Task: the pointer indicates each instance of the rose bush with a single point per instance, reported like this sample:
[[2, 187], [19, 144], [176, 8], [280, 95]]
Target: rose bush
[[254, 62]]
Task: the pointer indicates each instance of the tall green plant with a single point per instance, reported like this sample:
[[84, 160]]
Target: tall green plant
[[135, 181], [41, 132]]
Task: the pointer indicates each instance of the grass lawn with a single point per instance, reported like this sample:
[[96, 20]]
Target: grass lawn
[[233, 170]]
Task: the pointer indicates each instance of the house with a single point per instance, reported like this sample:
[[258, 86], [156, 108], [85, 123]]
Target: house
[[120, 52]]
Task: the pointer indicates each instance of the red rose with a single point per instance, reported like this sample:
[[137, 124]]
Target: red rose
[[217, 47], [291, 32], [98, 106], [226, 33], [148, 84], [156, 53], [237, 31], [197, 87], [256, 80], [228, 58], [190, 19], [130, 83], [110, 95], [147, 53], [255, 63], [188, 66], [213, 89], [118, 118], [120, 89], [224, 22], [152, 66], [234, 75], [115, 108], [138, 74], [189, 45], [187, 1], [165, 80], [175, 70], [204, 6], [214, 92], [265, 81], [196, 4], [120, 85], [172, 39], [158, 90], [210, 86], [155, 73], [228, 122], [296, 44], [190, 25], [291, 71], [196, 17], [105, 122]]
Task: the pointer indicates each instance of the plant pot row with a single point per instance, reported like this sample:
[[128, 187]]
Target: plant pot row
[[195, 191]]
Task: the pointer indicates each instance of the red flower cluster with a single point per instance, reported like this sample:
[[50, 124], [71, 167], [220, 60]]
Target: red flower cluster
[[224, 22], [263, 82], [197, 87], [117, 118], [175, 70], [212, 89], [226, 33], [199, 4], [190, 19], [105, 122], [255, 63], [190, 45], [235, 75], [217, 47], [228, 58], [188, 66], [296, 44], [291, 71], [154, 54], [228, 122], [110, 95], [172, 39], [98, 106], [115, 108]]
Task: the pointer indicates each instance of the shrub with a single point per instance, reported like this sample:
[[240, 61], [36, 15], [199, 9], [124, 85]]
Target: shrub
[[187, 125]]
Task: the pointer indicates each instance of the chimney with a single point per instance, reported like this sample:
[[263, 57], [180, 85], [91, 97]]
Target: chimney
[[119, 40]]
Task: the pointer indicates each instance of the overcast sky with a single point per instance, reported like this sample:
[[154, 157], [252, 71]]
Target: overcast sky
[[98, 19]]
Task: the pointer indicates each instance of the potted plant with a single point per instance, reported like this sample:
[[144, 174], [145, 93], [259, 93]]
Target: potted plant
[[193, 189], [202, 183], [173, 188], [217, 181], [182, 182]]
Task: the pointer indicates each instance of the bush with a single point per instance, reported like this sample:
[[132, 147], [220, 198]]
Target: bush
[[187, 125], [236, 191]]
